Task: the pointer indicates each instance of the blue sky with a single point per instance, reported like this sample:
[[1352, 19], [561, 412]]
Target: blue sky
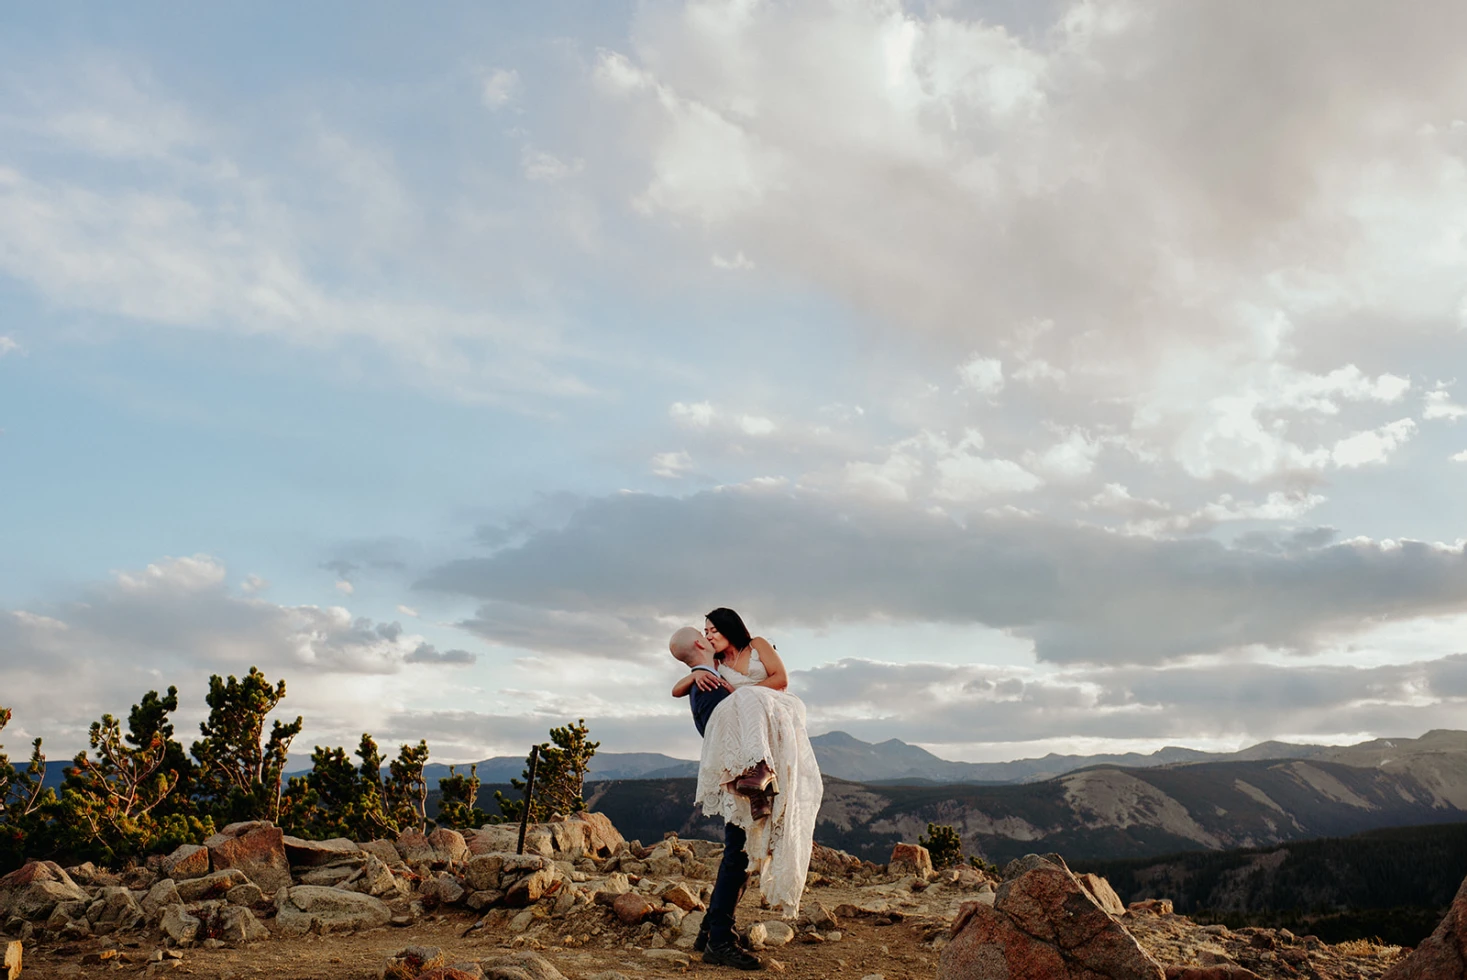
[[1047, 376]]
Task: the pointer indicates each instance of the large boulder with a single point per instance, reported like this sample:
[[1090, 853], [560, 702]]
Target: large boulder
[[1443, 954], [257, 848], [11, 964], [1043, 926], [314, 908], [159, 897], [313, 853], [910, 859], [591, 834], [32, 891], [186, 861], [448, 847], [215, 885], [179, 925]]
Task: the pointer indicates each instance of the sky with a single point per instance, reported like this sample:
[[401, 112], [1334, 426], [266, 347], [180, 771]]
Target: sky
[[1045, 376]]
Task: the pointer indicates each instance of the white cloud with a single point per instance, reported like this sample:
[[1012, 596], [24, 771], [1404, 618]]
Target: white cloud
[[407, 611], [696, 415], [1070, 458], [8, 345], [1373, 446], [889, 480], [189, 237], [671, 466], [739, 261], [1439, 404], [1459, 457], [253, 585], [983, 375], [500, 87], [345, 587], [538, 165], [175, 621], [755, 425]]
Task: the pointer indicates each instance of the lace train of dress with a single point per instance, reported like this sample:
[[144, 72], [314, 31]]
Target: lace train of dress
[[757, 724]]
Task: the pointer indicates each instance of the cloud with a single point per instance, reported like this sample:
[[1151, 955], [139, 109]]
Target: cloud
[[191, 236], [538, 165], [175, 621], [1439, 404], [967, 704], [983, 375], [426, 653], [671, 466], [8, 345], [1374, 446], [499, 87], [1063, 194], [1080, 594]]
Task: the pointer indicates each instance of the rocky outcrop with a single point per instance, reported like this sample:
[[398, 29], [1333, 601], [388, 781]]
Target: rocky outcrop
[[317, 909], [1043, 926], [1443, 954], [257, 849], [34, 890]]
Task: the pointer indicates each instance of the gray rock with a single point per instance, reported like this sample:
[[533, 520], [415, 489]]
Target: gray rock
[[187, 861], [115, 910], [179, 926], [211, 886], [312, 908], [522, 966], [314, 853], [245, 895], [32, 891], [159, 897], [237, 926]]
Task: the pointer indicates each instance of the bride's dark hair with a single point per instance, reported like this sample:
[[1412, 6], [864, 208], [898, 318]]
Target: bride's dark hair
[[731, 625]]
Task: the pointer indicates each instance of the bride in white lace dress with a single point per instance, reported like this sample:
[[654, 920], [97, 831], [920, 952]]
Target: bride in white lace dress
[[761, 723]]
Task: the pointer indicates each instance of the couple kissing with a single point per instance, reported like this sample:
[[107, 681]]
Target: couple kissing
[[757, 772]]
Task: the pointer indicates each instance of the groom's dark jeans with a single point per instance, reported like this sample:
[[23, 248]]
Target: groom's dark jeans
[[733, 871]]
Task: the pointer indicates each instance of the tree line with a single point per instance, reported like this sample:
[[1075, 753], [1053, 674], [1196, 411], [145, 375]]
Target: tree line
[[135, 790]]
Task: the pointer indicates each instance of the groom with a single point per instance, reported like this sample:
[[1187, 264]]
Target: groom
[[692, 648]]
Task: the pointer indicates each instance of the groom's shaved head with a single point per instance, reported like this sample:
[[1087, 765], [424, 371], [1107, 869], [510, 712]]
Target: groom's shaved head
[[688, 645]]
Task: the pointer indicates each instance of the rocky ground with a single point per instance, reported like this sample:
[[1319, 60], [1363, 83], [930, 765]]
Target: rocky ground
[[586, 905]]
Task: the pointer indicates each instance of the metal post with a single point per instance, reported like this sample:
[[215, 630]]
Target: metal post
[[529, 795]]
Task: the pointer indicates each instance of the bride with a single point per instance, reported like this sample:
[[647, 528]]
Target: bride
[[759, 771]]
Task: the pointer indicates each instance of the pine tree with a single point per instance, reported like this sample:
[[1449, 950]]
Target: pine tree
[[560, 776], [943, 845], [23, 801], [242, 770], [459, 798]]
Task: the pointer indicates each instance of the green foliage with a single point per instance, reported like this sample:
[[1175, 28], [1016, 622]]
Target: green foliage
[[943, 845], [242, 771], [339, 798], [560, 776], [405, 794], [986, 867], [458, 807], [23, 802]]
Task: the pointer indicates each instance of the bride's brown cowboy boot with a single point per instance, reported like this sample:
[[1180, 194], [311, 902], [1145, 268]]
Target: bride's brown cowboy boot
[[756, 780]]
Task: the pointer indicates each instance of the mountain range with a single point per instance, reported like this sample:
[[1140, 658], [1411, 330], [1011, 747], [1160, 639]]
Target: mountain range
[[1109, 811], [844, 756]]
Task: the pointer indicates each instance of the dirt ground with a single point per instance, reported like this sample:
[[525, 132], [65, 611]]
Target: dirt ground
[[896, 951]]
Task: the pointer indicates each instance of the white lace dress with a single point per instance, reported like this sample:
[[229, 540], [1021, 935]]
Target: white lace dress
[[755, 724]]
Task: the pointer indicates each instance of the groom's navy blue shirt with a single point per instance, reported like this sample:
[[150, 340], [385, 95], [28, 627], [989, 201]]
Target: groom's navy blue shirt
[[703, 703]]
